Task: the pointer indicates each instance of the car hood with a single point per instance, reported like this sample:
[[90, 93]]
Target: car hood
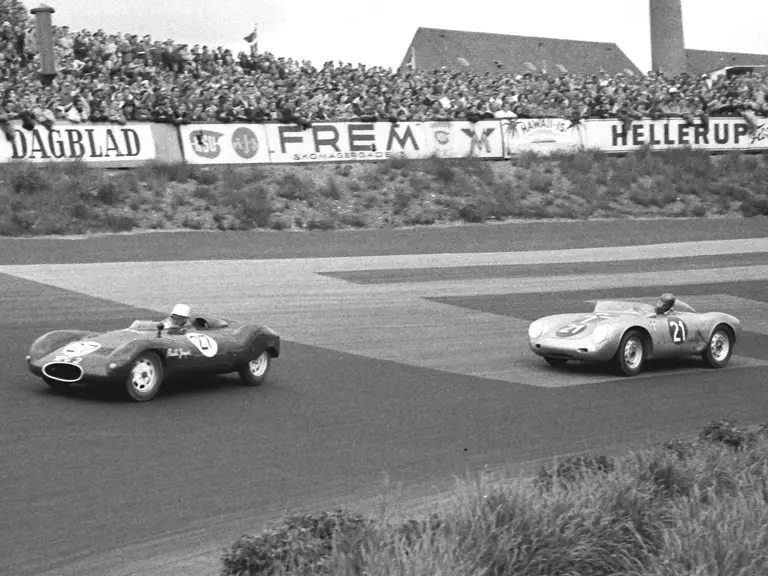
[[102, 343], [583, 324]]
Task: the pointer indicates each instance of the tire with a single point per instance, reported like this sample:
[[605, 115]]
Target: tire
[[255, 372], [719, 348], [630, 356], [55, 384], [556, 362], [145, 378]]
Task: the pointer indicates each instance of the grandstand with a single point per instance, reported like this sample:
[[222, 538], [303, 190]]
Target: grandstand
[[446, 75]]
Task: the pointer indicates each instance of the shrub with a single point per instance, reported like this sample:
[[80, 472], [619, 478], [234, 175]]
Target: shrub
[[474, 212], [681, 507], [279, 224], [109, 193], [175, 172], [292, 187], [206, 194], [573, 469], [120, 222], [321, 222], [300, 545], [207, 177], [726, 432], [250, 206], [28, 179], [441, 169], [355, 220], [343, 169], [576, 185], [401, 202], [332, 189]]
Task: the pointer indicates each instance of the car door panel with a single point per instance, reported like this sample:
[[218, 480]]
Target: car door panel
[[679, 332]]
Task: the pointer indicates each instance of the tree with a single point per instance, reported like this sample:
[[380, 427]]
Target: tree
[[13, 11]]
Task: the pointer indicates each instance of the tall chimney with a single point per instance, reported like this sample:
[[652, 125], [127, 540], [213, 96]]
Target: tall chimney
[[44, 28], [667, 38]]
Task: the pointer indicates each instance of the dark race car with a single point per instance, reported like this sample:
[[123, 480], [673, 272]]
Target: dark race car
[[141, 356]]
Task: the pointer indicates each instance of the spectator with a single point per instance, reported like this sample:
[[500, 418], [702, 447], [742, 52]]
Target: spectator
[[122, 78]]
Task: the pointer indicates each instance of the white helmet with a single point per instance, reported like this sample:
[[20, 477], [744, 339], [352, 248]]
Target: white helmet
[[181, 310]]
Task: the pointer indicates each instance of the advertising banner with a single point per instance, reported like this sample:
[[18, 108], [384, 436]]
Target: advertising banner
[[542, 135], [461, 139], [345, 141], [224, 143], [718, 135], [112, 144], [366, 141]]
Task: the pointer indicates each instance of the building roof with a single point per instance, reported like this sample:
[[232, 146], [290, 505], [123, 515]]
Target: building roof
[[434, 48], [703, 61]]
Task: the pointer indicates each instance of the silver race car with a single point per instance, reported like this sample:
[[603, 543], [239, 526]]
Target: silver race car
[[628, 333]]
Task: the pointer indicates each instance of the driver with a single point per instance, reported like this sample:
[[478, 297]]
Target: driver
[[665, 303], [179, 317]]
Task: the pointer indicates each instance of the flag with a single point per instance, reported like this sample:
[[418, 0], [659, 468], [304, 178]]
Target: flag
[[253, 37]]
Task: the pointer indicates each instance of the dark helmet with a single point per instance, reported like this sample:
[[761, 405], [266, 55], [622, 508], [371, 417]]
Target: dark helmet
[[664, 303]]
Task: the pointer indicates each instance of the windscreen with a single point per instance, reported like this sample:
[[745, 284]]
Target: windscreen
[[143, 325], [618, 306]]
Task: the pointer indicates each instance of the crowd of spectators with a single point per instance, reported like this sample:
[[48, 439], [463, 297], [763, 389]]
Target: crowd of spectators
[[124, 77]]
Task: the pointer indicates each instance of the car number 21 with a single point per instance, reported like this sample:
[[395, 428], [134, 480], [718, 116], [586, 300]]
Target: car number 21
[[207, 345], [678, 330]]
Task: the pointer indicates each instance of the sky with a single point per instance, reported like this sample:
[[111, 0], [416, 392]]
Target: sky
[[379, 33]]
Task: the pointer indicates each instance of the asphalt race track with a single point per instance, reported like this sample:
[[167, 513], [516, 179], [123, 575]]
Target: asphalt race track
[[404, 356]]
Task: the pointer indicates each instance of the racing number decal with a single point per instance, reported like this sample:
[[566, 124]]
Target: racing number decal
[[571, 329], [68, 359], [678, 330], [207, 345], [578, 327], [77, 349]]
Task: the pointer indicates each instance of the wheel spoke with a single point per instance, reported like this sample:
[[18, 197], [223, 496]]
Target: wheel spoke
[[633, 354], [143, 375], [258, 366], [720, 346]]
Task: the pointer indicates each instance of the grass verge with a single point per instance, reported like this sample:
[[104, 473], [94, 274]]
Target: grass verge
[[73, 198], [682, 507]]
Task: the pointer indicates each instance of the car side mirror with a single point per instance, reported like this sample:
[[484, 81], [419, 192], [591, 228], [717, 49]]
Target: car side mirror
[[159, 327]]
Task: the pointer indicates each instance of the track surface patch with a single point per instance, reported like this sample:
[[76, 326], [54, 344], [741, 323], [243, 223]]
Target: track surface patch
[[405, 378]]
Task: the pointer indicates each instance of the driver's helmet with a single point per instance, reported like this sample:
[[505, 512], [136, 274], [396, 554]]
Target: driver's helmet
[[180, 315], [665, 303]]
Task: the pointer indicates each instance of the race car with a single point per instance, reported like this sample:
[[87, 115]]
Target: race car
[[143, 355], [627, 333]]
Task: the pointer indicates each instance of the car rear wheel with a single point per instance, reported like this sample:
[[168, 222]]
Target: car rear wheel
[[145, 377], [255, 372], [556, 362], [719, 348], [630, 356]]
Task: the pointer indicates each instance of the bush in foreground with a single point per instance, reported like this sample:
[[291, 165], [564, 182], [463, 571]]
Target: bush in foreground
[[73, 198], [682, 507]]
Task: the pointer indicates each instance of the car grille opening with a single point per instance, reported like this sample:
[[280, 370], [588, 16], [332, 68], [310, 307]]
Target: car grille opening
[[63, 371]]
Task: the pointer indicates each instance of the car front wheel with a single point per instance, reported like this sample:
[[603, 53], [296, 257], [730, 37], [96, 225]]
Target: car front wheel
[[255, 372], [719, 348], [145, 377], [631, 354]]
